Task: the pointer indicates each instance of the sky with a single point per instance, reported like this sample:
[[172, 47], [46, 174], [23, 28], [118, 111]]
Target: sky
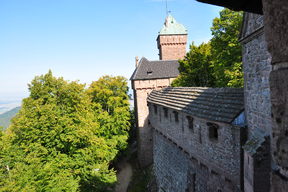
[[86, 39]]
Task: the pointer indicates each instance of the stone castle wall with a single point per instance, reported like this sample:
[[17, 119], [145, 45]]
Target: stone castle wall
[[256, 67], [172, 47], [187, 159]]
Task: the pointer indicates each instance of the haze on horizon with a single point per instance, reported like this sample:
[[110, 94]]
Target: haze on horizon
[[86, 40]]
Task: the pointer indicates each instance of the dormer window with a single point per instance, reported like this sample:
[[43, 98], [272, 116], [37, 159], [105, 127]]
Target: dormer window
[[149, 72], [213, 131], [176, 117]]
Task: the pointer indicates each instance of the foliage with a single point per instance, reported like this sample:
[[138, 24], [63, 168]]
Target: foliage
[[226, 49], [57, 141], [109, 95], [195, 69], [218, 62]]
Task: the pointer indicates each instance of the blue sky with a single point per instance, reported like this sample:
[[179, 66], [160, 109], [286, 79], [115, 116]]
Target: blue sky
[[85, 39]]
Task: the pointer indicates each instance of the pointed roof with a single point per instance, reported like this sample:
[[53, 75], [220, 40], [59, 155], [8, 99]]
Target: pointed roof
[[155, 69], [171, 27]]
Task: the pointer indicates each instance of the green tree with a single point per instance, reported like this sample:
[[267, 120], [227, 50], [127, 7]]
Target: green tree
[[57, 141], [226, 49], [110, 95], [218, 62], [195, 69]]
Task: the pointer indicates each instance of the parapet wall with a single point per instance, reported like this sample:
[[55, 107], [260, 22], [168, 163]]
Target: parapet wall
[[186, 158]]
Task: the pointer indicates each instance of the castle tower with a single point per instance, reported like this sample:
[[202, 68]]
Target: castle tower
[[151, 75], [172, 40]]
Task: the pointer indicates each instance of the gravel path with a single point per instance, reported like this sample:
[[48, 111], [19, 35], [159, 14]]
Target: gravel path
[[123, 176]]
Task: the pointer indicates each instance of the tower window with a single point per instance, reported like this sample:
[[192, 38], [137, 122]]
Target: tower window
[[213, 130], [190, 123], [176, 117]]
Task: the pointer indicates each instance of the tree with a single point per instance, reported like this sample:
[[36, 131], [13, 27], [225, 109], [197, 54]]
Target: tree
[[226, 49], [195, 69], [56, 141], [218, 62], [110, 94]]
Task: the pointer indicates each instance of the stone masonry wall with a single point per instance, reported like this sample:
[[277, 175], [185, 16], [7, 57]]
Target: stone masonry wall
[[172, 47], [276, 30], [144, 134], [209, 164], [256, 66]]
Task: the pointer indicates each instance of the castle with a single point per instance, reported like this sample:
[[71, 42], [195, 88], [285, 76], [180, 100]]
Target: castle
[[151, 75], [200, 142]]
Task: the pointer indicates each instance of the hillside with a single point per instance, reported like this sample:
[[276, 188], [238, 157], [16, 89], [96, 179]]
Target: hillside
[[7, 116]]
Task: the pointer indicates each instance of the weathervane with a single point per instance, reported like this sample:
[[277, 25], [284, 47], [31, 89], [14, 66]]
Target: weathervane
[[167, 11]]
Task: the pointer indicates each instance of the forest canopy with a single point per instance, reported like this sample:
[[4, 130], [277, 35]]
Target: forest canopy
[[65, 136]]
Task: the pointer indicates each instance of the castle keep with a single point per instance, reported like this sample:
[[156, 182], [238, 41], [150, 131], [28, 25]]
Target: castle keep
[[151, 75], [172, 40]]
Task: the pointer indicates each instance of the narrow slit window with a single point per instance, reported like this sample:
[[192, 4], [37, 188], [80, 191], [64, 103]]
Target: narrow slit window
[[165, 112], [190, 123], [176, 116]]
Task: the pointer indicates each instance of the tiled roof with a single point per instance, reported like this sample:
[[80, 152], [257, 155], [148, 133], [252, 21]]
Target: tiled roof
[[215, 104], [155, 69]]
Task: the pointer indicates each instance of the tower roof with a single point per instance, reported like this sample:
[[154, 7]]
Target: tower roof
[[155, 69], [171, 27]]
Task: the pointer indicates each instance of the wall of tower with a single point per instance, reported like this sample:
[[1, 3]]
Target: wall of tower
[[142, 88], [172, 47], [256, 67]]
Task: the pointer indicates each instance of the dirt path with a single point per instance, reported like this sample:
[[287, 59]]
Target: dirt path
[[123, 176]]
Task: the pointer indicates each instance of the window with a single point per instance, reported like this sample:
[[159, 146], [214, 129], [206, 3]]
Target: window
[[191, 182], [190, 123], [176, 116], [155, 109], [213, 130], [165, 112], [200, 135]]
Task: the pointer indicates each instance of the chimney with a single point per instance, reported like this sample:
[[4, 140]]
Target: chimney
[[136, 61]]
